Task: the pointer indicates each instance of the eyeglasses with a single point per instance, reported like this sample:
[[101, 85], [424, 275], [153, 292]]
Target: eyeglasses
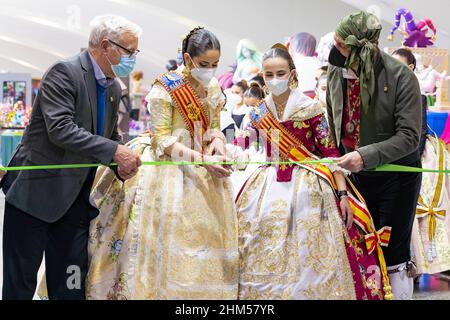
[[131, 53]]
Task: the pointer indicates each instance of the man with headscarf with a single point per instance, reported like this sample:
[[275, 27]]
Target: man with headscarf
[[374, 109]]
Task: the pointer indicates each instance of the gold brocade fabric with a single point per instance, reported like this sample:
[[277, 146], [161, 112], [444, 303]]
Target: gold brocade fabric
[[435, 260], [291, 239], [170, 232]]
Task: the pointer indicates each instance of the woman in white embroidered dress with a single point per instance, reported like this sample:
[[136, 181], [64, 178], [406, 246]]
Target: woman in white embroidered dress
[[293, 237]]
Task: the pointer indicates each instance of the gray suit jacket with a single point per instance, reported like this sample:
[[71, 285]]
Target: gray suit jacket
[[391, 129], [62, 131]]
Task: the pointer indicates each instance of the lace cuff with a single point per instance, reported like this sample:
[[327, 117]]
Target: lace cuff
[[163, 144], [217, 134], [335, 168]]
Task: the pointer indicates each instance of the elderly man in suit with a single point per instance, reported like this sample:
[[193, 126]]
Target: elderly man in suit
[[375, 113], [74, 120]]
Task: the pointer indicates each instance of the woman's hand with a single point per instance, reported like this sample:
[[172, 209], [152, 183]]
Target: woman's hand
[[346, 212], [217, 170], [147, 133], [216, 147]]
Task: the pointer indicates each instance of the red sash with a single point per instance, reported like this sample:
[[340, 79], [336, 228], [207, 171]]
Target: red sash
[[292, 149]]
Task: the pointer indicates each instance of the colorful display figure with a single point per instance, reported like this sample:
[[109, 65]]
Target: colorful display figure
[[249, 61], [416, 35], [19, 112], [14, 116], [428, 76]]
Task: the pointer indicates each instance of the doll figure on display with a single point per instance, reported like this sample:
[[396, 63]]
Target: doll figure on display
[[416, 35], [4, 112], [428, 76], [249, 61], [226, 79], [9, 119], [18, 110]]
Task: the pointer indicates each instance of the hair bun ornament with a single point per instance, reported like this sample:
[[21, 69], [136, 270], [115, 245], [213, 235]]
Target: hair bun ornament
[[280, 46], [192, 32], [186, 38]]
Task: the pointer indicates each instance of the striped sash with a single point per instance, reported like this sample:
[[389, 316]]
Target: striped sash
[[186, 100], [291, 149]]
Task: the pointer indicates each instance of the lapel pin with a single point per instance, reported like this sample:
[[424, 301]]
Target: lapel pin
[[111, 99]]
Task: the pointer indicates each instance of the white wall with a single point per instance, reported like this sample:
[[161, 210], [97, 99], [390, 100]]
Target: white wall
[[36, 33]]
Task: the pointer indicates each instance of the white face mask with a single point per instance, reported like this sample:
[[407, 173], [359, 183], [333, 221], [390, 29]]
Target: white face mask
[[278, 86], [234, 99], [203, 75]]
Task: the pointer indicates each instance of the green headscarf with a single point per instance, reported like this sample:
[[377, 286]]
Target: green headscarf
[[361, 31]]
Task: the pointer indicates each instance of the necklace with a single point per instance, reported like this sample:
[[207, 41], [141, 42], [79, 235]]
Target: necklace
[[198, 88], [280, 108], [352, 126]]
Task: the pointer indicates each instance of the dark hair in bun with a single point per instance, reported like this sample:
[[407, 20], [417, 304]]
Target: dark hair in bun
[[198, 41]]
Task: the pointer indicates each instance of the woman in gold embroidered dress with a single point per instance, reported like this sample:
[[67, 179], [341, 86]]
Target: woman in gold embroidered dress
[[171, 232]]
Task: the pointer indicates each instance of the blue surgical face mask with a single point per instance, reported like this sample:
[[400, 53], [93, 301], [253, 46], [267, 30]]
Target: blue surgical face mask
[[125, 66]]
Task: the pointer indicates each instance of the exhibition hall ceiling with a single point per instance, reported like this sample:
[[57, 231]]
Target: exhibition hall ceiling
[[34, 34]]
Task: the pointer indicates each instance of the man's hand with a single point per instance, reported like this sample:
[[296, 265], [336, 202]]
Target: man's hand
[[352, 162], [126, 176], [128, 162]]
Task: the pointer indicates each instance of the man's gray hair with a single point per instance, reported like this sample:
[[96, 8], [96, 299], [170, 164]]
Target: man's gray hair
[[111, 27]]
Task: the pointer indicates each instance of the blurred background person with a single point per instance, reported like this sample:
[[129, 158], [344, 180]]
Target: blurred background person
[[253, 95], [321, 89], [258, 80], [235, 109], [405, 56], [171, 65], [324, 47], [302, 47]]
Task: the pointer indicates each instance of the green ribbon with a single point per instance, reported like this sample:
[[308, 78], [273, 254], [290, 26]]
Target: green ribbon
[[156, 163], [398, 168], [384, 168]]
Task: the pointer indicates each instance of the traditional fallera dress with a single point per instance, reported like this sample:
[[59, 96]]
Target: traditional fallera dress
[[171, 231], [292, 240], [431, 231]]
